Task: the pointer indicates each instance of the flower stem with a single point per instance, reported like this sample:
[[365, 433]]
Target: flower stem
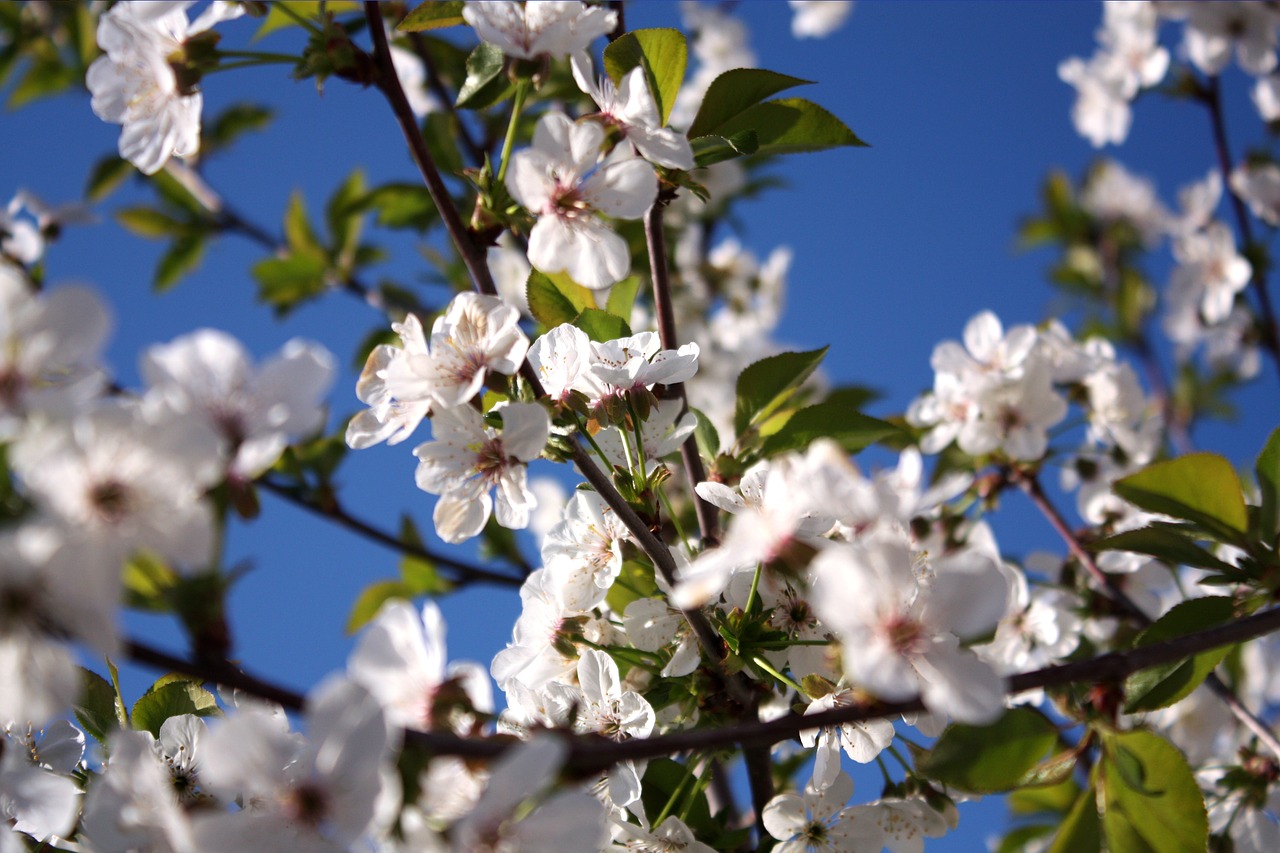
[[675, 794], [517, 107], [768, 667]]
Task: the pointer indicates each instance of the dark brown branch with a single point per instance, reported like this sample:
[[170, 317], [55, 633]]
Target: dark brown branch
[[656, 240], [592, 753], [463, 573]]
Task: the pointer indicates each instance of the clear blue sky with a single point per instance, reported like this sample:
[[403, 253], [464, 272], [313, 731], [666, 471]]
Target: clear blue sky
[[896, 246]]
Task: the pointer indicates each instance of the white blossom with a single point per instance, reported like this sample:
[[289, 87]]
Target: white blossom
[[540, 27]]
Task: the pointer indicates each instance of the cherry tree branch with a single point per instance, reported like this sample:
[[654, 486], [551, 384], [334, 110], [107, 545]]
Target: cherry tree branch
[[1031, 486], [591, 753], [466, 573], [656, 241], [445, 97]]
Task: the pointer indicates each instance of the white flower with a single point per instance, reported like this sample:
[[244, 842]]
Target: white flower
[[401, 660], [629, 106], [540, 649], [671, 836], [818, 18], [901, 637], [539, 27], [638, 361], [1101, 113], [1210, 271], [1266, 97], [1259, 186], [818, 822], [583, 553], [563, 182], [256, 410], [1113, 193], [562, 360], [1213, 29], [466, 459], [861, 741], [50, 345], [133, 805], [134, 85]]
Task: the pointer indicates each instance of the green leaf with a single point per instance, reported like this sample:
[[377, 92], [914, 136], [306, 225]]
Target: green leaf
[[47, 75], [1024, 838], [402, 206], [106, 175], [150, 223], [548, 305], [763, 385], [371, 599], [1162, 543], [485, 85], [987, 759], [171, 700], [297, 228], [284, 283], [122, 713], [708, 150], [706, 436], [1165, 813], [232, 123], [634, 581], [148, 580], [1268, 470], [96, 708], [1162, 686], [419, 573], [345, 224], [432, 15], [602, 326], [440, 132], [1080, 831], [791, 125], [735, 91], [622, 297], [852, 430], [662, 52], [1057, 798], [182, 257], [1200, 487], [278, 19]]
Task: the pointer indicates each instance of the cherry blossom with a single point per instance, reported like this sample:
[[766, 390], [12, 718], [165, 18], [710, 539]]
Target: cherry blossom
[[539, 28], [629, 106], [565, 184], [818, 18]]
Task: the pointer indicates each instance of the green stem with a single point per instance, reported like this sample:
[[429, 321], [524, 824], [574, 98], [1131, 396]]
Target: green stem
[[675, 794], [635, 426], [768, 667], [699, 785], [265, 56], [753, 597], [251, 63], [888, 780], [517, 106], [906, 765], [675, 522]]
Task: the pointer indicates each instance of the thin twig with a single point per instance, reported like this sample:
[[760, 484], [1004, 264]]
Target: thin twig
[[1267, 317], [656, 241], [474, 150], [224, 674], [466, 573], [1031, 486]]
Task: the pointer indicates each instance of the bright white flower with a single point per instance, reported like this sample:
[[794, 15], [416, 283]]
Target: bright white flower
[[134, 85], [22, 238], [1214, 29], [540, 649], [583, 553], [563, 182], [1266, 97], [1101, 113], [1210, 271], [118, 479], [324, 793], [466, 459], [818, 18], [629, 106], [1113, 193], [661, 435], [861, 741], [476, 335], [639, 361], [562, 360], [50, 346], [671, 836], [818, 822], [1198, 201], [133, 805], [36, 797], [901, 637], [256, 410], [1042, 627], [401, 660], [904, 824], [652, 625], [540, 27], [1259, 186]]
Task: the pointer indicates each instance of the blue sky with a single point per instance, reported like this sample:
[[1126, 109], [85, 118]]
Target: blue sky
[[896, 246]]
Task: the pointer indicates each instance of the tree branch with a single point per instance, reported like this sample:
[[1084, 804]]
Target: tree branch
[[590, 753], [656, 241]]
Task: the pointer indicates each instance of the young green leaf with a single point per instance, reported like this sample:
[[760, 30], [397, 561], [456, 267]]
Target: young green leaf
[[1268, 471], [432, 15], [171, 700], [485, 85], [763, 385], [1166, 812], [987, 759], [149, 222], [662, 52], [96, 708], [181, 258], [602, 326], [1199, 487], [734, 91], [716, 149], [371, 599], [1163, 543], [548, 305], [850, 429], [1080, 832], [791, 125], [1162, 686]]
